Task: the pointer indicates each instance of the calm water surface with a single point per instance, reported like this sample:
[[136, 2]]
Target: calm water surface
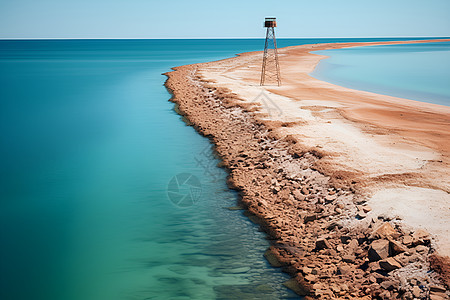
[[413, 71], [89, 145]]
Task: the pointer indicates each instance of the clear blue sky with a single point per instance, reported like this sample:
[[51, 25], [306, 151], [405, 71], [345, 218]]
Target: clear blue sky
[[231, 18]]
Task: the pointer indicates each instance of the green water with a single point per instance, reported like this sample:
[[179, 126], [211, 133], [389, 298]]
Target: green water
[[89, 145]]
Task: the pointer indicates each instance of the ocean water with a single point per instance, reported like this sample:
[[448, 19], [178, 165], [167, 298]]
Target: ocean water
[[413, 71], [105, 192]]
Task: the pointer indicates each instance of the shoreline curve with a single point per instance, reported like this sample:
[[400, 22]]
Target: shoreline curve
[[320, 208]]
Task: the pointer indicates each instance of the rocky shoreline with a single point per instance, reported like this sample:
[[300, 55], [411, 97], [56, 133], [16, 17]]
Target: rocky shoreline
[[308, 215]]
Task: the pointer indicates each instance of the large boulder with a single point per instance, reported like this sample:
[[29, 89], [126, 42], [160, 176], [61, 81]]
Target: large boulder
[[384, 231], [396, 248], [379, 249], [298, 285], [272, 259]]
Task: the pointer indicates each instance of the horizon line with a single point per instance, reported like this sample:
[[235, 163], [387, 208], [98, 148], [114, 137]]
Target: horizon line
[[220, 38]]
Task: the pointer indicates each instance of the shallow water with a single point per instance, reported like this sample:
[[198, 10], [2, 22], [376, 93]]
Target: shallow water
[[412, 71], [90, 144]]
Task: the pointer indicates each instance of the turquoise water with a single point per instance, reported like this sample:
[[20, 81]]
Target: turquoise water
[[90, 145], [413, 71]]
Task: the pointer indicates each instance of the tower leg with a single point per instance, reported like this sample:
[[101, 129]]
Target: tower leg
[[266, 44], [277, 64], [270, 65]]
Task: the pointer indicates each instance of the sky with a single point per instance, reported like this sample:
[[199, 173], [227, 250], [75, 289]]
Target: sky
[[222, 19]]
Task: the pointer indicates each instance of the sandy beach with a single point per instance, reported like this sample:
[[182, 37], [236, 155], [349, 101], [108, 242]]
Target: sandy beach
[[352, 187]]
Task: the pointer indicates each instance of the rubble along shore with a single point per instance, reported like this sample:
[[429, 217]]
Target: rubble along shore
[[308, 214]]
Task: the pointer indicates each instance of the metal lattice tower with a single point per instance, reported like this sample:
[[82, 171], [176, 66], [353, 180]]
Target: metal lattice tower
[[270, 66]]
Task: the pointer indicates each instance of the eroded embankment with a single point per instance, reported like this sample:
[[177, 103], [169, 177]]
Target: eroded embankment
[[308, 217]]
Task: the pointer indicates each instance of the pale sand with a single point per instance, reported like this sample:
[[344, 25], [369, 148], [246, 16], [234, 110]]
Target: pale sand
[[395, 151]]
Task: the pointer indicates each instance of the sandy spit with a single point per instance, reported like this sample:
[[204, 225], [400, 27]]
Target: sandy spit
[[351, 187]]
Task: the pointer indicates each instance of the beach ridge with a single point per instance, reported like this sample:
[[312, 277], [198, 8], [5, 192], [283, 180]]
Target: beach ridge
[[318, 208]]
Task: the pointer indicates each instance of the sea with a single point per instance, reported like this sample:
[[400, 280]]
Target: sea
[[413, 71], [107, 194]]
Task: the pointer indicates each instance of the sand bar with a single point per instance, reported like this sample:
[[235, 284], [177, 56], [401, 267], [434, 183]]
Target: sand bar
[[334, 175]]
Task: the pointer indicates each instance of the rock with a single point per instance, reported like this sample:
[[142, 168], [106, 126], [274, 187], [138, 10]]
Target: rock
[[422, 249], [349, 258], [305, 190], [239, 270], [379, 249], [306, 270], [408, 296], [343, 269], [324, 294], [335, 288], [332, 225], [309, 218], [421, 237], [311, 278], [366, 209], [402, 279], [289, 202], [272, 259], [299, 196], [390, 264], [396, 248], [413, 258], [235, 208], [322, 244], [352, 246], [439, 296], [345, 239], [407, 240], [402, 258], [385, 295], [330, 198], [437, 289], [416, 291], [298, 288], [384, 231], [318, 286], [389, 285], [339, 248], [361, 215]]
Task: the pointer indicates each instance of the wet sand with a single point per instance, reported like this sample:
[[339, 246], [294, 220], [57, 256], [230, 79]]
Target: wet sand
[[351, 186]]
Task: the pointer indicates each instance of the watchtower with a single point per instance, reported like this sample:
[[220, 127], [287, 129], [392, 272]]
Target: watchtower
[[270, 65]]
